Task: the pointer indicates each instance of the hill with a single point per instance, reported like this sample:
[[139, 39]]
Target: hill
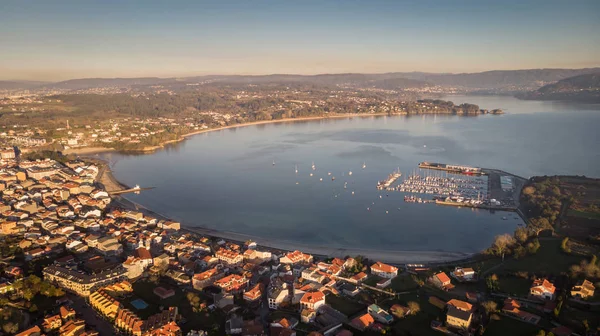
[[584, 88], [18, 85]]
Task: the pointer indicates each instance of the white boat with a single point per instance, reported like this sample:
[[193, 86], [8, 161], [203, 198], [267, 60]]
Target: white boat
[[364, 165], [136, 187], [311, 174], [273, 162], [329, 173], [313, 166], [296, 167], [353, 193], [321, 179], [350, 173]]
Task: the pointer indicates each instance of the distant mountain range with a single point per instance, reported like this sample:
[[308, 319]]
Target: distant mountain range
[[584, 88], [494, 81]]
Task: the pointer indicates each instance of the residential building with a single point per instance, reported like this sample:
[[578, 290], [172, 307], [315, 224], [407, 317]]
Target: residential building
[[583, 290], [463, 274], [207, 278], [312, 300], [296, 257], [253, 294], [542, 289], [379, 314], [232, 283], [81, 283], [442, 281], [458, 318], [363, 322], [229, 257], [383, 270]]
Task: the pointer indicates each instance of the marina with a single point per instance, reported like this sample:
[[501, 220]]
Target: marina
[[466, 170]]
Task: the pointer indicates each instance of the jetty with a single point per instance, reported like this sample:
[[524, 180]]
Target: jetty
[[135, 189]]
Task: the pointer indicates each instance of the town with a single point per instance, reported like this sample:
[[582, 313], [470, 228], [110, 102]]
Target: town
[[77, 260]]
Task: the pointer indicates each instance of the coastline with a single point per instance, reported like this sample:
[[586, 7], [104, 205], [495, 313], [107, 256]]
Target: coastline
[[106, 178], [150, 149], [388, 256]]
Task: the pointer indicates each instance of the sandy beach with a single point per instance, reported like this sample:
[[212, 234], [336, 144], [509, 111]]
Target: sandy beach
[[96, 150], [388, 256]]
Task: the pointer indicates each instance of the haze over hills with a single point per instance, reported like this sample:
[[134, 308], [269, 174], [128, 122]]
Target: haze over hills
[[495, 81], [580, 88]]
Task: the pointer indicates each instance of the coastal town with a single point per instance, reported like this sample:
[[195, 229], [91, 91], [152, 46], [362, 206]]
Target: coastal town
[[80, 260], [143, 119]]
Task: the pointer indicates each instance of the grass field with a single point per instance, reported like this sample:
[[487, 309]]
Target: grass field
[[549, 259], [418, 324], [584, 214], [515, 285], [344, 305], [403, 283], [507, 326]]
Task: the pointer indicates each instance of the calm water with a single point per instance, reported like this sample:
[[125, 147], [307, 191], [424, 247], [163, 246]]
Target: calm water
[[225, 179]]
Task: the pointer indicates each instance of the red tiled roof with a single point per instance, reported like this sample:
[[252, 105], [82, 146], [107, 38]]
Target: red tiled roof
[[312, 297], [381, 267], [442, 277]]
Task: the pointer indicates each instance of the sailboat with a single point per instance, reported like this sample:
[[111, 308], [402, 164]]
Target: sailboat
[[273, 162], [296, 167], [364, 165], [313, 166], [350, 173]]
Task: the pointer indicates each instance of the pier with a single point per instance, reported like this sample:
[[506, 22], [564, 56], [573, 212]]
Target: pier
[[130, 190]]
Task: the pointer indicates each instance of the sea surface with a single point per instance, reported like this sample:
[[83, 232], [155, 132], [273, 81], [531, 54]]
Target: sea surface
[[226, 179]]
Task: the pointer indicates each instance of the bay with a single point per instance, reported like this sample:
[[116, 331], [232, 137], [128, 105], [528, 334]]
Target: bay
[[225, 179]]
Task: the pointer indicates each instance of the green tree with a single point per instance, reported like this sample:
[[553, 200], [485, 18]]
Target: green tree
[[492, 283]]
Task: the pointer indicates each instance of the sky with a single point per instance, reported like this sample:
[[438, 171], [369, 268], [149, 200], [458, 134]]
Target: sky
[[58, 40]]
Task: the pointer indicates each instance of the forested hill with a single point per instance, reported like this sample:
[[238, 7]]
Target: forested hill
[[493, 81], [584, 88]]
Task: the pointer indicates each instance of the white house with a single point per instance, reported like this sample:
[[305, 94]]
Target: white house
[[384, 270]]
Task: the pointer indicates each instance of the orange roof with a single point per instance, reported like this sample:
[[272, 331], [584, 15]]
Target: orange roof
[[462, 305], [381, 267], [312, 297], [442, 277], [363, 321]]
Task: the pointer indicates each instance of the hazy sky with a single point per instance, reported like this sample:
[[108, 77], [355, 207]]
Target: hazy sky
[[55, 40]]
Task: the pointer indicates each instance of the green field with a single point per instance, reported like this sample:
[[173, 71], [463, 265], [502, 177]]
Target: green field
[[549, 259], [507, 326], [584, 214], [515, 285], [344, 305]]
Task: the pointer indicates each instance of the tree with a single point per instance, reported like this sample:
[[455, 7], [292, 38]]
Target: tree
[[490, 307], [533, 247], [502, 243], [10, 327], [519, 252], [492, 283], [521, 235], [414, 307], [541, 333]]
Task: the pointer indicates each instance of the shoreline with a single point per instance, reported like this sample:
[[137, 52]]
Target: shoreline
[[387, 256], [148, 150], [106, 178]]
